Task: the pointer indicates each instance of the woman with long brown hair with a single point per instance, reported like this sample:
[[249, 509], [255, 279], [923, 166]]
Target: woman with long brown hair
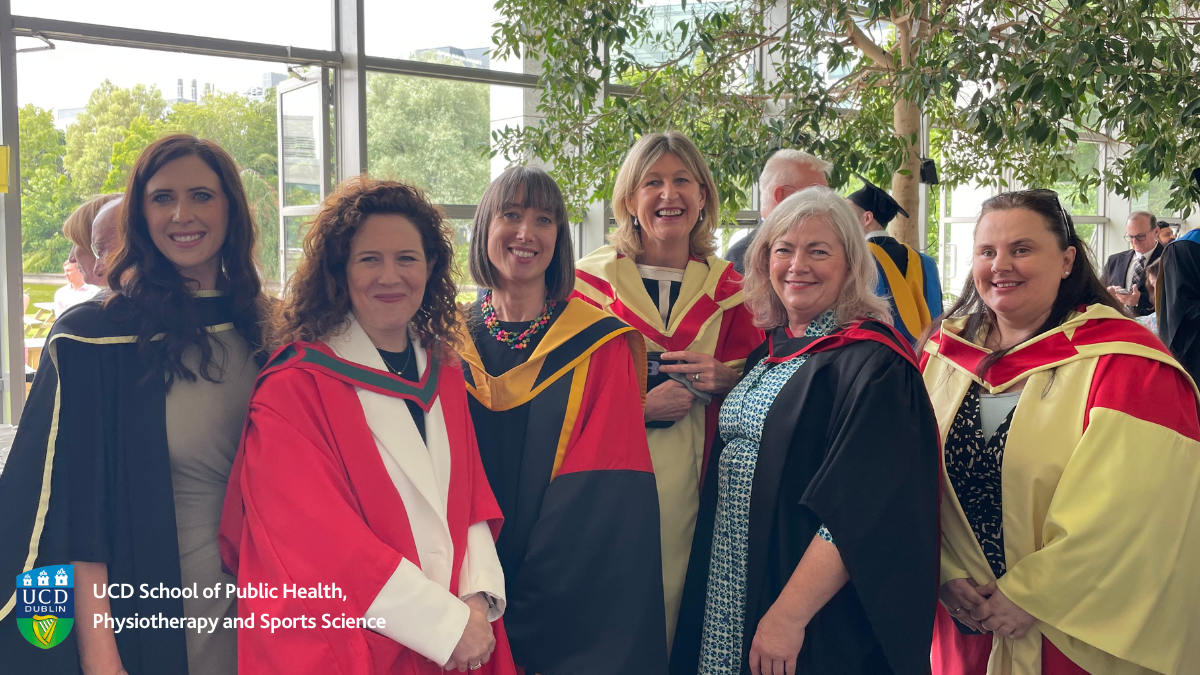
[[132, 424], [1070, 524], [358, 465]]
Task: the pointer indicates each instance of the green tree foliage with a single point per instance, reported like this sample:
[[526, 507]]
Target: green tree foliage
[[1013, 85], [432, 133], [100, 148], [46, 196], [104, 123]]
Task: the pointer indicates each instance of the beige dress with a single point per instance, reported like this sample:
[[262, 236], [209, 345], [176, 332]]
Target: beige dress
[[204, 425]]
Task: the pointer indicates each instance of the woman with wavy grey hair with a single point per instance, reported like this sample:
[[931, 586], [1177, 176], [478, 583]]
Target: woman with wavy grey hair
[[816, 545]]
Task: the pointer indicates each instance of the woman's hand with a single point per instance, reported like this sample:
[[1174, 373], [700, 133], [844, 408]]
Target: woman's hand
[[776, 644], [715, 376], [668, 402], [961, 596], [477, 642], [1000, 615]]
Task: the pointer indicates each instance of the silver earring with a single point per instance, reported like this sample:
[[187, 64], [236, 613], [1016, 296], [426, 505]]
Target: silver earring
[[637, 224]]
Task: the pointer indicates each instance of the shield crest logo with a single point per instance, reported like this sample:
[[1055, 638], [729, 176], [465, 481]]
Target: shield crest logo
[[43, 628], [45, 610]]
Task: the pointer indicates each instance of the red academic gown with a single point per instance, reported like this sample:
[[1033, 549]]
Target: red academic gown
[[310, 502]]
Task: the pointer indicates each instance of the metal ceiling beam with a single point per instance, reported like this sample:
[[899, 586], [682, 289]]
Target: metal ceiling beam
[[113, 36]]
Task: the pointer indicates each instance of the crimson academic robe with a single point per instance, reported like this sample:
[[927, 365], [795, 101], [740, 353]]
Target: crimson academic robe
[[564, 446], [1101, 520], [311, 503]]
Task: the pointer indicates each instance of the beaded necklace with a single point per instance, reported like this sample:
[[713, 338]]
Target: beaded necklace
[[513, 340]]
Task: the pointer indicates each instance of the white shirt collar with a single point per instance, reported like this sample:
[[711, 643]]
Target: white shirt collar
[[876, 234]]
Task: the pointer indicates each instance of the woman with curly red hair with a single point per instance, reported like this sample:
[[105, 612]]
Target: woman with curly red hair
[[358, 466]]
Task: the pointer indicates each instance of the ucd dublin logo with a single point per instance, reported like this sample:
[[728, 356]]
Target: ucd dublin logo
[[46, 604]]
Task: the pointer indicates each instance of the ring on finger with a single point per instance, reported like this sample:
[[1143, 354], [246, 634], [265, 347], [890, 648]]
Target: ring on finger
[[475, 666]]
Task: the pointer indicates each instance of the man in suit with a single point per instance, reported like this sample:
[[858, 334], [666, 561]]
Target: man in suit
[[787, 171], [1125, 272]]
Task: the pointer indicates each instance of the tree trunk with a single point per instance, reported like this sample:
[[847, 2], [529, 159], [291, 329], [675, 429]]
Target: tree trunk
[[906, 116]]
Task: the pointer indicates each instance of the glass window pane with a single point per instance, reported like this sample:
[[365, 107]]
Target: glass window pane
[[296, 227], [435, 134], [1154, 197], [299, 23], [1086, 158], [457, 32], [87, 112], [966, 201], [301, 156]]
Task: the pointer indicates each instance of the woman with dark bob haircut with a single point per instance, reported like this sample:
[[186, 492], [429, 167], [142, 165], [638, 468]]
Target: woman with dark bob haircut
[[132, 424], [1069, 519], [358, 465], [557, 403]]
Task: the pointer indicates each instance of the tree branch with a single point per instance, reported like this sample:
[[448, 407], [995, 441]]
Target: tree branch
[[867, 46]]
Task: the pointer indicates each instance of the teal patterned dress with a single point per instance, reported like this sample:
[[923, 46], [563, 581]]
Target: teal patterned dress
[[741, 425]]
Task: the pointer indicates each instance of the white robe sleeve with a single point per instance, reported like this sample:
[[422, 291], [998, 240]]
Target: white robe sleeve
[[481, 571], [419, 613]]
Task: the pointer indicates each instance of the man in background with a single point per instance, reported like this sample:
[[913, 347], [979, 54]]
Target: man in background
[[104, 237], [1125, 272], [76, 290], [786, 172]]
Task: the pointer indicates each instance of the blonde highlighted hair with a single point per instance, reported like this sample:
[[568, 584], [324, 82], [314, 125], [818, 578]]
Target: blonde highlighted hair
[[857, 299], [77, 228], [649, 149]]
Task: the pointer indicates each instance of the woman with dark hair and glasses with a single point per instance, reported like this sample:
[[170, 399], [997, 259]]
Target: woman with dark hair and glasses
[[358, 466], [556, 397], [1070, 523], [132, 424]]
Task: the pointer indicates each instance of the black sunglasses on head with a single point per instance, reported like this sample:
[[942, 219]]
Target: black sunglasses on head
[[1067, 223]]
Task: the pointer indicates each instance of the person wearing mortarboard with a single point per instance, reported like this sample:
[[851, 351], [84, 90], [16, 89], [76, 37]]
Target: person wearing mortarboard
[[907, 277]]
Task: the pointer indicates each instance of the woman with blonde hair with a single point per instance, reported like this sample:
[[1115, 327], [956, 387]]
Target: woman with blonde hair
[[77, 228], [660, 276], [816, 546]]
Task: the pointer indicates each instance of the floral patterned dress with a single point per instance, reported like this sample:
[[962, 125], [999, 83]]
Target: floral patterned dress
[[741, 425]]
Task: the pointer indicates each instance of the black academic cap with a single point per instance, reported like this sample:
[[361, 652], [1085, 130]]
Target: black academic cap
[[1196, 176], [879, 203]]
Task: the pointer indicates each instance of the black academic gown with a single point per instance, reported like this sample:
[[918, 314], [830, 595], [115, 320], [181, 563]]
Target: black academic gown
[[96, 418], [580, 549], [1179, 301], [851, 442]]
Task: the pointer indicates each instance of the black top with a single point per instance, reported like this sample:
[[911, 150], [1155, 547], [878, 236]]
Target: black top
[[652, 286], [404, 364], [895, 250], [851, 442], [498, 358]]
